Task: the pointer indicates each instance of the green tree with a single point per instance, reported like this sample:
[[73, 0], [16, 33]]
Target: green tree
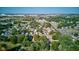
[[13, 39], [54, 46], [66, 43], [35, 46], [20, 38], [56, 36]]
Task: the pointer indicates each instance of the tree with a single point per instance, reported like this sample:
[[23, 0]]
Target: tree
[[56, 36], [77, 42], [14, 31], [13, 39], [34, 24], [2, 48], [47, 24], [42, 43], [35, 46], [51, 32], [76, 48], [20, 38], [60, 25], [26, 42], [66, 43], [54, 45], [36, 37]]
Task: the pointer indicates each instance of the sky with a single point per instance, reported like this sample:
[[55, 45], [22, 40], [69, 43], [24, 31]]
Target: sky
[[40, 10]]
